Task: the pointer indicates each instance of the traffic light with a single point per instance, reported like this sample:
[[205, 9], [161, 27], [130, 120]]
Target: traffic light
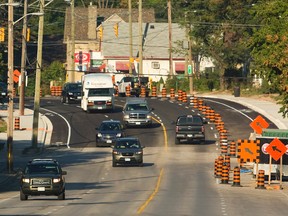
[[116, 27], [28, 34], [2, 34], [100, 32]]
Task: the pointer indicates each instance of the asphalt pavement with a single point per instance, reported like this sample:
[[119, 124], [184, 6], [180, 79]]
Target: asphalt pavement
[[22, 138]]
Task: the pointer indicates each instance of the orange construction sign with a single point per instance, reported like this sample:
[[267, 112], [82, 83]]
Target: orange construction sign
[[258, 124], [16, 75], [248, 151], [276, 149]]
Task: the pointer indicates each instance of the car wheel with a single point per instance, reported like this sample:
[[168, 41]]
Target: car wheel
[[140, 164], [23, 196], [114, 163], [202, 142], [177, 141], [61, 196], [68, 100]]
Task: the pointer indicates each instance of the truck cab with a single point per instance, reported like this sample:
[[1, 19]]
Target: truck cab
[[97, 92]]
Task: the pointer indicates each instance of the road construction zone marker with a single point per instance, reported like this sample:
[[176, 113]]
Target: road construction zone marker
[[172, 94], [154, 94], [236, 177], [249, 151], [225, 174], [219, 166], [17, 123], [261, 180], [128, 91], [232, 149]]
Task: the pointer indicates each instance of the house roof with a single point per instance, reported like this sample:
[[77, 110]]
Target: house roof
[[88, 16], [155, 45]]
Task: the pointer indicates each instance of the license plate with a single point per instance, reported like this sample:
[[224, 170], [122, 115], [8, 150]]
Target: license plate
[[127, 159], [41, 188], [138, 123], [100, 108], [3, 93], [109, 141], [189, 135], [79, 97]]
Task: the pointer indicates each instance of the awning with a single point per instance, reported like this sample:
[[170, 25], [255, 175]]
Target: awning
[[179, 66], [123, 65]]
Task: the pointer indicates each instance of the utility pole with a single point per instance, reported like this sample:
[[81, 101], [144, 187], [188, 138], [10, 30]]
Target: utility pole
[[23, 62], [72, 72], [140, 40], [131, 61], [38, 77], [190, 63], [10, 87], [170, 38]]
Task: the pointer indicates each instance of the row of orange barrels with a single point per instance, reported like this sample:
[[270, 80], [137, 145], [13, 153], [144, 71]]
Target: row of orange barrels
[[56, 90]]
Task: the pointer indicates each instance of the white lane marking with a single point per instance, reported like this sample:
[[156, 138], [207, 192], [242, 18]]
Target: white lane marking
[[68, 125], [231, 108]]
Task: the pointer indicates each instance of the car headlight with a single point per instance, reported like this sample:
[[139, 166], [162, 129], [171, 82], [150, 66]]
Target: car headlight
[[99, 135], [138, 152], [56, 180], [126, 116], [118, 135], [149, 116], [116, 152], [70, 93], [26, 180]]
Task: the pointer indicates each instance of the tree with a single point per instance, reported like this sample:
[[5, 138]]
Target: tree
[[270, 46], [218, 28]]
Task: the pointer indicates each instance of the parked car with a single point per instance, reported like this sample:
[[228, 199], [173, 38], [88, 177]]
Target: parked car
[[136, 112], [3, 91], [189, 128], [71, 92], [127, 150], [108, 132], [42, 177]]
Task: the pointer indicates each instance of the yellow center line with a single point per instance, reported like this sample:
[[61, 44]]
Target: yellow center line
[[144, 205]]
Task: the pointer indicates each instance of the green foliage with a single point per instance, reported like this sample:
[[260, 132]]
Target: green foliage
[[269, 43], [54, 72]]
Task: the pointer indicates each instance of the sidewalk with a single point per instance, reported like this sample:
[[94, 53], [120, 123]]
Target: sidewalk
[[22, 139]]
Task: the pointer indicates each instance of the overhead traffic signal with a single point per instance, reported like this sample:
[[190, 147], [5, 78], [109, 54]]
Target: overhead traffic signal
[[100, 32], [116, 29], [28, 34], [2, 34]]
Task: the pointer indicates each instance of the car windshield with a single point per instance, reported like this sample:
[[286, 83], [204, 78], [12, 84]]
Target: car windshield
[[126, 144], [101, 92], [190, 120], [131, 107], [110, 126], [75, 87], [41, 168]]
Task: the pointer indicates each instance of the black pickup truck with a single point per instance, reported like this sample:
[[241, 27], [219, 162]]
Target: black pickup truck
[[189, 128]]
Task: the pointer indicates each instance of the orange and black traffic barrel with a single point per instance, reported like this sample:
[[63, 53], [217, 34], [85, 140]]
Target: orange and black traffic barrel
[[236, 177], [261, 180]]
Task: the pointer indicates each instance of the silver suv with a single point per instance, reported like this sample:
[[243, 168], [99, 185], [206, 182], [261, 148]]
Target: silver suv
[[136, 112]]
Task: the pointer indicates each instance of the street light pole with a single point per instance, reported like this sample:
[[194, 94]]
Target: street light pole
[[38, 77], [10, 88], [23, 62]]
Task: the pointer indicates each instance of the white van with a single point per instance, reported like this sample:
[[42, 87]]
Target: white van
[[97, 92]]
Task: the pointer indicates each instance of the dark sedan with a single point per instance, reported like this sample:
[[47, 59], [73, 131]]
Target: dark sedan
[[108, 132], [127, 150]]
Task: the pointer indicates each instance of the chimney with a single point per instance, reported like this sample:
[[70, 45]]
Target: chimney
[[92, 22]]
